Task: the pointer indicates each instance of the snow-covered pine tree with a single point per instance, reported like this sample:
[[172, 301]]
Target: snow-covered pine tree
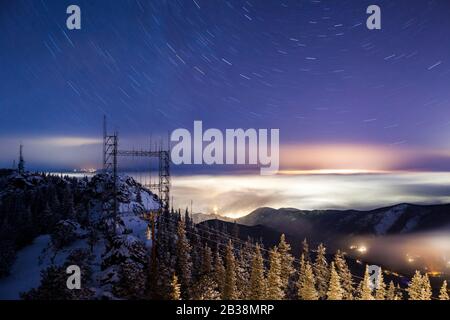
[[219, 271], [344, 275], [242, 275], [427, 292], [293, 292], [196, 252], [443, 293], [307, 284], [321, 271], [274, 281], [246, 254], [160, 275], [176, 288], [390, 293], [335, 291], [398, 293], [53, 287], [257, 287], [206, 267], [67, 205], [302, 265], [184, 263], [305, 251], [286, 261], [230, 290], [178, 214], [420, 287], [206, 287], [48, 217], [187, 220], [380, 290], [365, 290], [415, 287]]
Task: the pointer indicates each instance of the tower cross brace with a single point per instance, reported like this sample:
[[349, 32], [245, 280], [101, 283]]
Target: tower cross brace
[[110, 154]]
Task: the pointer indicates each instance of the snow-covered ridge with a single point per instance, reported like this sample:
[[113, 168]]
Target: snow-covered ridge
[[104, 254]]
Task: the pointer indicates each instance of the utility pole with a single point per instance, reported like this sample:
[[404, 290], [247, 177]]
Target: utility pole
[[21, 166]]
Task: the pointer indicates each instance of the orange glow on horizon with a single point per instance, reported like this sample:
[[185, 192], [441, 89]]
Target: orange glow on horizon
[[352, 158], [331, 171]]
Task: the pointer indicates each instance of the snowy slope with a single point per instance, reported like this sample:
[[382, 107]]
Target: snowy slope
[[25, 273], [389, 218], [31, 260]]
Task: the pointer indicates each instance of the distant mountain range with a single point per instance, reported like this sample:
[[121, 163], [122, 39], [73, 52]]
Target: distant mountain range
[[200, 217], [325, 225]]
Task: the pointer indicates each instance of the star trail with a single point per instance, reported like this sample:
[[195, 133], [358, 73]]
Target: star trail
[[310, 68]]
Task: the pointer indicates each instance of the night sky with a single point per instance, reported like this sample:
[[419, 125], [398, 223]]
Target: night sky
[[310, 68]]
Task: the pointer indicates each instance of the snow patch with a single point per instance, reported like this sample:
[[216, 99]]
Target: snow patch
[[389, 218], [411, 224], [26, 271]]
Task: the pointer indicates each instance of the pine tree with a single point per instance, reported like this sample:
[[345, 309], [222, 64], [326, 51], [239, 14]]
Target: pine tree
[[344, 275], [380, 290], [365, 290], [398, 293], [420, 287], [286, 261], [300, 274], [187, 219], [322, 272], [390, 293], [305, 251], [165, 261], [427, 292], [335, 291], [244, 271], [443, 293], [196, 252], [307, 284], [184, 263], [176, 291], [242, 275], [206, 267], [257, 287], [219, 272], [230, 289], [415, 287], [67, 205], [48, 218], [205, 288], [274, 281]]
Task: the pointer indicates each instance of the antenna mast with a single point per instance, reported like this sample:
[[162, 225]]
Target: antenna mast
[[21, 166]]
